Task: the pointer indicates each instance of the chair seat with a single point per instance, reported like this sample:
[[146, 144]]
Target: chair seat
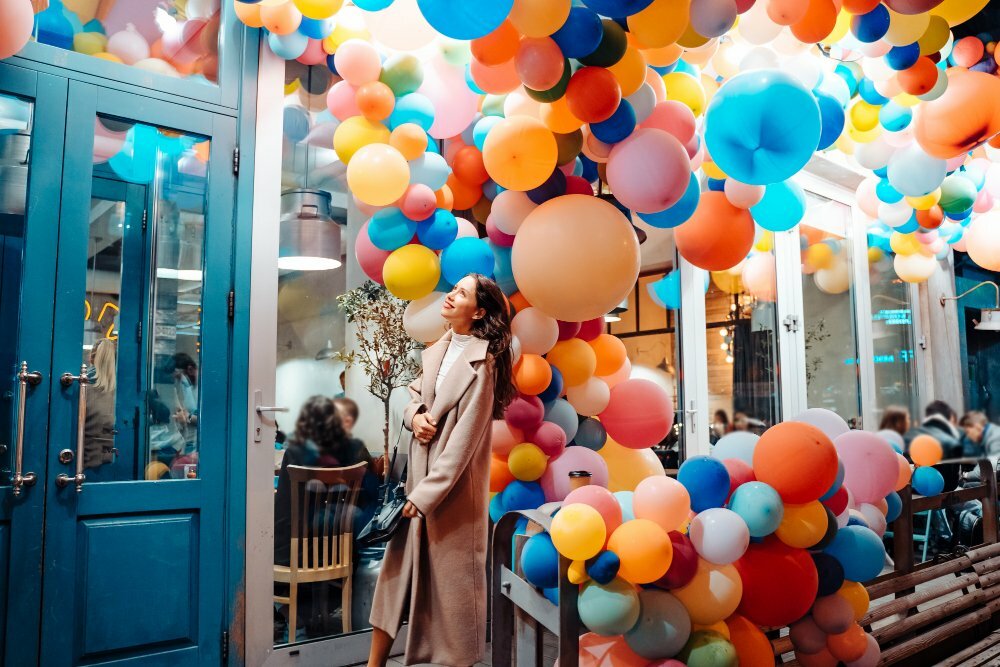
[[283, 573]]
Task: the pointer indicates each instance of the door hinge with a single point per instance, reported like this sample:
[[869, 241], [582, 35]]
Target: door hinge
[[145, 219], [225, 647], [791, 323], [236, 161], [231, 300], [138, 331]]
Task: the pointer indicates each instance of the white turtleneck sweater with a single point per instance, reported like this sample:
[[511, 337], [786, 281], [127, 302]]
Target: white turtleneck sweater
[[455, 349]]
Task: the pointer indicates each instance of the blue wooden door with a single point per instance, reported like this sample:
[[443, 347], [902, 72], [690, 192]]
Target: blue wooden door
[[32, 115], [135, 466]]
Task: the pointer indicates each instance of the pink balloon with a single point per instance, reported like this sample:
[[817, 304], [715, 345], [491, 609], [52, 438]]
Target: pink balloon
[[674, 118], [984, 202], [601, 500], [872, 656], [505, 438], [358, 62], [639, 415], [466, 229], [693, 148], [739, 471], [539, 62], [106, 142], [657, 84], [550, 438], [525, 413], [662, 500], [956, 162], [366, 210], [314, 53], [870, 465], [759, 277], [455, 105], [498, 237], [567, 169], [418, 202], [743, 195], [649, 171], [370, 258], [17, 18], [866, 197], [340, 100], [555, 481], [619, 376]]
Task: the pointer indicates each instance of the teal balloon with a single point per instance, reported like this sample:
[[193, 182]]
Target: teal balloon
[[609, 609], [927, 481], [707, 648], [389, 229], [624, 499], [540, 561], [895, 117], [666, 291], [136, 161], [437, 231], [288, 47], [562, 414], [412, 108], [52, 27], [781, 208], [895, 504], [465, 19], [503, 269], [464, 256], [430, 169], [482, 128], [957, 194], [762, 126], [759, 505], [664, 626], [372, 5], [860, 551], [680, 212]]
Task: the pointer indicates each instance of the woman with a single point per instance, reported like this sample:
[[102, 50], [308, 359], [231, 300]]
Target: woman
[[99, 425], [435, 565], [895, 418]]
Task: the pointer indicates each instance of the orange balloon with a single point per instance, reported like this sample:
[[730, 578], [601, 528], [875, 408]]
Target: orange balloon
[[663, 56], [408, 138], [919, 78], [375, 100], [644, 549], [718, 236], [822, 659], [752, 646], [660, 24], [282, 19], [500, 474], [630, 71], [818, 23], [849, 645], [857, 595], [860, 6], [464, 196], [497, 47], [444, 198], [519, 301], [498, 79], [593, 94], [532, 375], [575, 360], [248, 13], [931, 218], [961, 119], [798, 460], [787, 12], [611, 353], [558, 118], [468, 166], [520, 153], [905, 472], [925, 450]]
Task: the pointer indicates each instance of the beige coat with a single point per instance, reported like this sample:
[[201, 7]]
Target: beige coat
[[438, 564]]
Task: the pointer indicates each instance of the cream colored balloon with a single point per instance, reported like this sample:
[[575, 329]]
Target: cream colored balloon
[[982, 238], [835, 280], [537, 331], [422, 318], [589, 398]]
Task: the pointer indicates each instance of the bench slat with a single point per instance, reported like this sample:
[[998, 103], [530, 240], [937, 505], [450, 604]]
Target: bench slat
[[892, 655], [911, 601], [957, 660], [913, 579], [978, 598]]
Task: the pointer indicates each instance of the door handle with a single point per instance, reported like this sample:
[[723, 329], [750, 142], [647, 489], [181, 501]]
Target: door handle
[[62, 479], [259, 410], [24, 378], [270, 408]]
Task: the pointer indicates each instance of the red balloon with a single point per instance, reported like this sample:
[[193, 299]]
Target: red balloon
[[931, 218], [837, 503], [779, 583], [860, 6], [591, 329], [718, 236], [468, 166], [525, 413], [684, 564], [639, 414], [578, 185], [593, 94], [920, 77], [910, 6], [568, 330]]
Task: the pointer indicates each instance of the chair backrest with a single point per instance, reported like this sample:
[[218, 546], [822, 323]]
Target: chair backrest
[[323, 505]]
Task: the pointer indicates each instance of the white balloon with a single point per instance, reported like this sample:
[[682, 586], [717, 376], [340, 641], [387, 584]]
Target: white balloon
[[422, 318], [896, 214], [400, 26], [736, 445], [642, 101], [827, 421], [874, 155], [719, 535], [537, 331], [915, 173], [834, 280], [759, 57], [756, 26]]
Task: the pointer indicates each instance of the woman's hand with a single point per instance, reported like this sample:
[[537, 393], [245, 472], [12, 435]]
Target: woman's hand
[[424, 427], [410, 511]]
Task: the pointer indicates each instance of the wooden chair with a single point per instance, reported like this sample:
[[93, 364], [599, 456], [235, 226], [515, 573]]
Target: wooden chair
[[323, 505]]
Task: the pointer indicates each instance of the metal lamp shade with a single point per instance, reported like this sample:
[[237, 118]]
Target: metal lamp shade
[[310, 237]]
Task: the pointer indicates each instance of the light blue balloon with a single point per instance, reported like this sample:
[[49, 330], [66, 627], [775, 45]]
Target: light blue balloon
[[836, 87], [860, 551], [288, 47], [412, 108], [465, 19], [562, 414], [624, 499], [317, 28], [464, 256], [928, 481], [503, 271], [482, 128], [667, 290], [894, 117], [295, 123], [680, 212], [736, 445], [895, 504], [781, 208], [389, 229], [430, 169], [762, 126], [439, 230], [663, 628], [372, 5], [759, 505], [136, 161], [914, 173], [610, 609]]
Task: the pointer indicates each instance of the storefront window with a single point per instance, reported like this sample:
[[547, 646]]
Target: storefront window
[[175, 38], [892, 331], [832, 365]]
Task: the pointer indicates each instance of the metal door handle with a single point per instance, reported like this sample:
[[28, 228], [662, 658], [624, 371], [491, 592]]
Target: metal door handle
[[62, 479], [270, 408], [24, 378]]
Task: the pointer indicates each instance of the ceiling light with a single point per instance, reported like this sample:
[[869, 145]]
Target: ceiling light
[[310, 235]]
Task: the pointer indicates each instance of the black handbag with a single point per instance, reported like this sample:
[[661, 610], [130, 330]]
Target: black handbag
[[389, 516]]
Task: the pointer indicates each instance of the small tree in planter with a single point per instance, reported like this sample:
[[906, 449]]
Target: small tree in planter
[[385, 351]]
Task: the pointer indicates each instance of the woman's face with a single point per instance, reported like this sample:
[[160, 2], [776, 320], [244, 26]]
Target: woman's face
[[460, 307]]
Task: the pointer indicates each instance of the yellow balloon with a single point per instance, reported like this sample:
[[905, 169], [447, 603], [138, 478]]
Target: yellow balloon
[[378, 174], [857, 595], [802, 526], [343, 32], [864, 116], [318, 9], [719, 627], [904, 29], [630, 71], [627, 467], [926, 201], [819, 256], [526, 462], [104, 55], [875, 255], [840, 28], [577, 572], [864, 137], [292, 87], [685, 89], [765, 243], [844, 144], [727, 282], [935, 36], [903, 244], [355, 133], [578, 531], [660, 24], [89, 42], [411, 272], [713, 594], [691, 39], [712, 170], [539, 18], [958, 11]]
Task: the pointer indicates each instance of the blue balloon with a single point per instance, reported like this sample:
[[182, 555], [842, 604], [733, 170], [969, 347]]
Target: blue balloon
[[685, 67], [618, 126], [331, 65], [762, 126], [706, 480], [910, 225], [136, 161], [580, 34], [872, 26], [389, 229], [540, 561], [837, 482], [503, 271], [555, 388], [663, 69], [589, 169], [831, 118], [317, 28], [482, 128], [552, 595], [54, 28], [927, 481], [437, 231], [885, 192], [759, 505], [496, 508], [895, 504], [465, 19], [868, 92], [520, 495], [288, 47], [716, 184], [412, 108], [667, 290], [591, 434], [680, 212], [464, 256], [295, 123], [603, 568], [93, 25], [619, 8], [881, 172], [430, 169], [624, 499], [562, 414], [894, 117], [372, 5], [831, 573], [903, 57], [554, 186], [859, 551], [781, 208], [850, 77]]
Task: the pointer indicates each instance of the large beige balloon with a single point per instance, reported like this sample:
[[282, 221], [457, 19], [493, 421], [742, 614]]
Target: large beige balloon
[[982, 240], [915, 268], [575, 257], [627, 467], [422, 318], [835, 280]]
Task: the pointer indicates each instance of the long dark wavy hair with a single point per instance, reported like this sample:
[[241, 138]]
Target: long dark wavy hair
[[319, 423], [494, 327]]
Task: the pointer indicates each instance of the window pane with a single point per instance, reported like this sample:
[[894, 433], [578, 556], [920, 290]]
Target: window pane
[[174, 38]]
